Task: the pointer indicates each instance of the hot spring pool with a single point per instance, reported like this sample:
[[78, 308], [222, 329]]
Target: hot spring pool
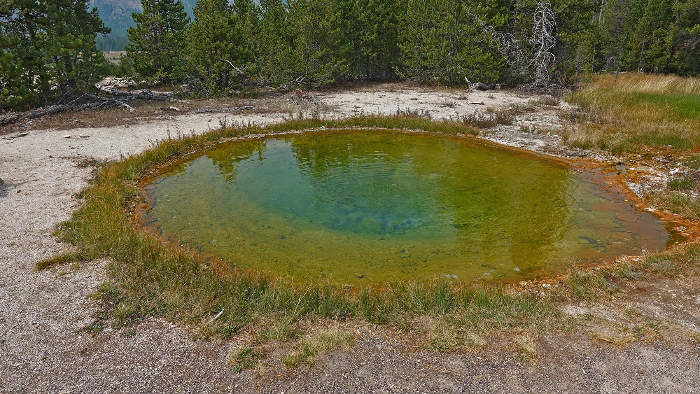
[[377, 207]]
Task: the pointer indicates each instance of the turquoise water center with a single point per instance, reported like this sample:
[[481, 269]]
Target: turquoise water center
[[378, 207]]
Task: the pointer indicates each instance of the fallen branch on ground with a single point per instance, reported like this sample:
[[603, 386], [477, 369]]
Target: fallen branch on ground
[[228, 109], [120, 99], [143, 94]]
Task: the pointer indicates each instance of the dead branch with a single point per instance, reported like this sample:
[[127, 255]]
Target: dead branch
[[93, 102], [233, 66], [543, 39], [33, 114], [143, 94], [228, 109]]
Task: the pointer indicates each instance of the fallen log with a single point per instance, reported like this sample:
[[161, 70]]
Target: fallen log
[[93, 103], [228, 109], [119, 100], [143, 94], [33, 114]]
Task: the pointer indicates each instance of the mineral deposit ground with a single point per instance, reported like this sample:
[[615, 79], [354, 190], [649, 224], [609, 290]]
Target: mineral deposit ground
[[643, 338]]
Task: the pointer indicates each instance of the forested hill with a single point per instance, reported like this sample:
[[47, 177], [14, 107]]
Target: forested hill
[[116, 15]]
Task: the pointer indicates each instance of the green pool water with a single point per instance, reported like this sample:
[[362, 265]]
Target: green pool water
[[379, 207]]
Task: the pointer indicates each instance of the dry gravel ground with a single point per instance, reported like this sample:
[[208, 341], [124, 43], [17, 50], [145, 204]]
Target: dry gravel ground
[[41, 313]]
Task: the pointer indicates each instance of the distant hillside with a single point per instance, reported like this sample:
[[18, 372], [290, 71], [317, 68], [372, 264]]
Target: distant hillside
[[116, 14]]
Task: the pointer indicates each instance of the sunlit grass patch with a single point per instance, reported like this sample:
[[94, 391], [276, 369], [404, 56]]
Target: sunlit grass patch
[[317, 344], [630, 111], [449, 334], [526, 347], [693, 161], [588, 285], [244, 357], [282, 329]]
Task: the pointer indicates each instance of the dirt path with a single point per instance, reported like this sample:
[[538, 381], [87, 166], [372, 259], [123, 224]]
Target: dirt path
[[41, 313]]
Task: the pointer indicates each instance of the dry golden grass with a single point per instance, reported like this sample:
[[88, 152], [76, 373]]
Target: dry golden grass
[[646, 83], [526, 346], [317, 344], [630, 111]]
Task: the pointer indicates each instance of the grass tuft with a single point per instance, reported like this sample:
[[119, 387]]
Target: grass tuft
[[590, 285], [685, 183], [693, 162], [491, 118], [661, 264], [526, 347], [676, 202], [317, 344], [59, 259], [244, 357], [283, 330]]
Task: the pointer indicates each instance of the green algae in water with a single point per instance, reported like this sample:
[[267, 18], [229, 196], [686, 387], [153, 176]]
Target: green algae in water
[[358, 207]]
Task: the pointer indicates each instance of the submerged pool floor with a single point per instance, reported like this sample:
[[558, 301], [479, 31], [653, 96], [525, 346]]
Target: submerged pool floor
[[378, 207]]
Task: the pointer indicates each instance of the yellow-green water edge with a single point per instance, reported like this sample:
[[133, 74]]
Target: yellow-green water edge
[[378, 207]]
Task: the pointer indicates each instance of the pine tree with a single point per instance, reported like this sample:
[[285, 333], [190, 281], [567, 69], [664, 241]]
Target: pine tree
[[274, 63], [648, 49], [156, 43], [48, 51], [318, 56], [369, 34], [219, 45], [684, 38], [247, 18], [14, 83], [443, 41], [77, 63], [612, 34]]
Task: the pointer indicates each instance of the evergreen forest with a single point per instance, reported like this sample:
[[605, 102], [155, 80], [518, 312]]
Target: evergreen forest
[[48, 52]]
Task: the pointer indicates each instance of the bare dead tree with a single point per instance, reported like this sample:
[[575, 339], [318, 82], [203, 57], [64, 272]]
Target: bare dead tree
[[536, 62], [508, 46], [542, 42]]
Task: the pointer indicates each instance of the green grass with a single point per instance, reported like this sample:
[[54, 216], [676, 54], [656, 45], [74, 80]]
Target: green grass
[[148, 277], [59, 259], [682, 184], [693, 162], [317, 344], [629, 112], [244, 357], [676, 202]]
